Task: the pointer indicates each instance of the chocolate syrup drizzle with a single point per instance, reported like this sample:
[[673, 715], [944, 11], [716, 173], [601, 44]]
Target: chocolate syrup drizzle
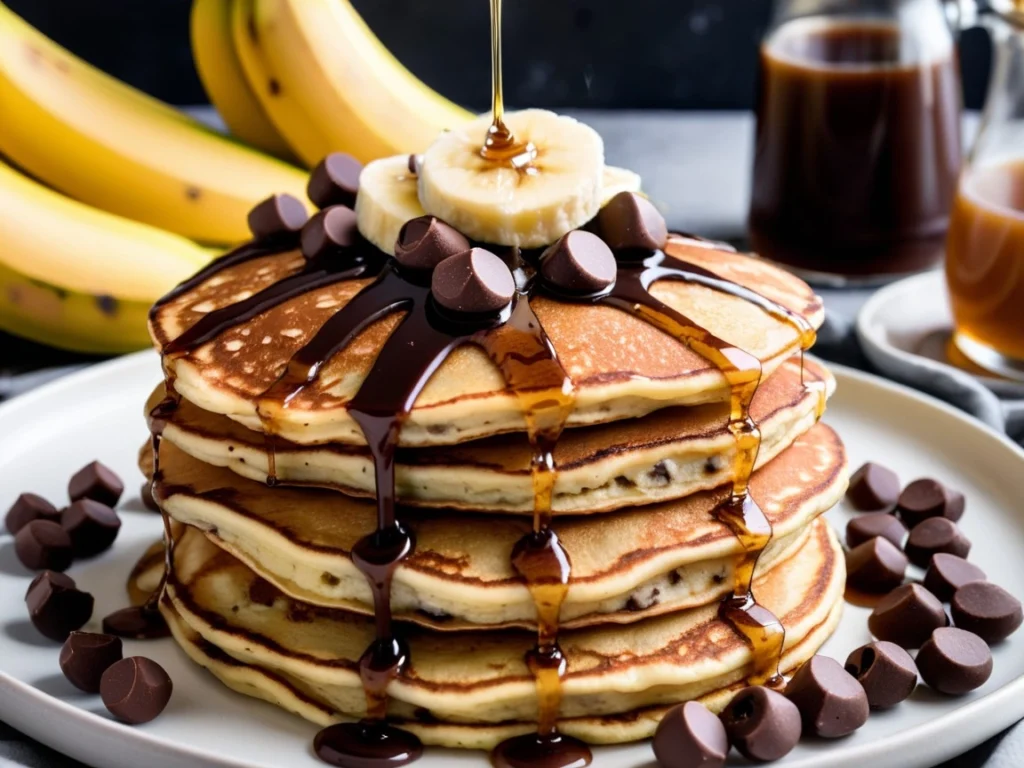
[[515, 341]]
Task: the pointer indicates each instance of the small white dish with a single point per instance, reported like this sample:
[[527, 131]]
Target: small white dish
[[49, 433]]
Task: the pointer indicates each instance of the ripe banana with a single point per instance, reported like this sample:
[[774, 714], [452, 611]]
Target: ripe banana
[[617, 180], [111, 146], [80, 278], [386, 200], [221, 72], [328, 84], [495, 203]]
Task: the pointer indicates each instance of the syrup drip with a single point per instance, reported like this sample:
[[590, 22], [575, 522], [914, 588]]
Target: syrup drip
[[516, 342]]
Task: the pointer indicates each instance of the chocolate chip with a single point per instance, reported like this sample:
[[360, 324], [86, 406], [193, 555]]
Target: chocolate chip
[[262, 592], [689, 735], [907, 616], [831, 702], [762, 724], [886, 672], [26, 508], [631, 222], [136, 689], [414, 164], [865, 527], [137, 622], [947, 573], [42, 544], [875, 566], [426, 241], [954, 661], [987, 610], [873, 488], [277, 215], [474, 281], [98, 482], [934, 535], [146, 494], [578, 263], [86, 656], [328, 231], [926, 498], [56, 606], [335, 181], [92, 526]]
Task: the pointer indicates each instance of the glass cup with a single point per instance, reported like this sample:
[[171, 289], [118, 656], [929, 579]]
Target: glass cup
[[858, 144], [985, 247]]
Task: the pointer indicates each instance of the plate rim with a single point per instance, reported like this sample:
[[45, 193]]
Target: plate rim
[[21, 704]]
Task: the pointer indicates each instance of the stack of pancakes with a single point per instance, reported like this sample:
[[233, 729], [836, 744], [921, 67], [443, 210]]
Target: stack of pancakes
[[264, 513]]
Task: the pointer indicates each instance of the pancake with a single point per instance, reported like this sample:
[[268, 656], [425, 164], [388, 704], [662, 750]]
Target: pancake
[[621, 366], [473, 689], [670, 454], [625, 565]]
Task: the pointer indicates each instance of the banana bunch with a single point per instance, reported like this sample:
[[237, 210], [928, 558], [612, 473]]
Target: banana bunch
[[111, 146], [325, 81], [561, 189], [80, 278]]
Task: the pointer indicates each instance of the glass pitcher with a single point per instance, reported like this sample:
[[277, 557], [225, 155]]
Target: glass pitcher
[[858, 144], [985, 249]]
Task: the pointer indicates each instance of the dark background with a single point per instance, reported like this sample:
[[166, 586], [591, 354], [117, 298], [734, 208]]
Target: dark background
[[676, 54]]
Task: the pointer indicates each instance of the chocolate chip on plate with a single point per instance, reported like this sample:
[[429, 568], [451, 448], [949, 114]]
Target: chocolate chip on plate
[[92, 526], [44, 545], [86, 656], [277, 215], [875, 566], [579, 263], [762, 724], [926, 498], [630, 221], [331, 229], [136, 689], [137, 622], [831, 702], [690, 735], [56, 606], [954, 661], [987, 610], [96, 481], [907, 616], [947, 573], [426, 241], [873, 488], [26, 508], [935, 535], [335, 181], [474, 281], [865, 527], [886, 671]]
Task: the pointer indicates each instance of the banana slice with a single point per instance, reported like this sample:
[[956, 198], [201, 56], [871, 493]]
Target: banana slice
[[617, 180], [386, 200], [494, 203]]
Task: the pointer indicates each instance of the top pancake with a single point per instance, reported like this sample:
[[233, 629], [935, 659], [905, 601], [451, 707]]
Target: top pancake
[[621, 366]]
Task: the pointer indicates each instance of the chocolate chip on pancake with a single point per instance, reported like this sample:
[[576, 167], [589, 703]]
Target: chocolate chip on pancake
[[328, 231], [831, 702], [26, 508], [926, 498], [629, 221], [873, 488], [987, 610], [935, 535], [426, 241], [473, 282], [335, 181], [690, 735], [865, 527], [947, 573], [762, 724], [277, 215], [954, 661], [579, 263], [886, 671], [907, 616]]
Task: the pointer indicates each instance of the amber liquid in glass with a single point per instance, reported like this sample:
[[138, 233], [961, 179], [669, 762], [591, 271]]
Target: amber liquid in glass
[[985, 264], [857, 153]]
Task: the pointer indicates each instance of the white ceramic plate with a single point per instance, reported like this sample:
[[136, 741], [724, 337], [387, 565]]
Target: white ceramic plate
[[47, 434]]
